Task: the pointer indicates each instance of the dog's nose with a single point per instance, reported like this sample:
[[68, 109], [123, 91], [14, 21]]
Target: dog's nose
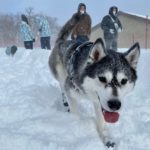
[[114, 104]]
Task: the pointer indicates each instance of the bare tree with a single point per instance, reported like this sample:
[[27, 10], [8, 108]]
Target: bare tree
[[8, 30], [9, 27]]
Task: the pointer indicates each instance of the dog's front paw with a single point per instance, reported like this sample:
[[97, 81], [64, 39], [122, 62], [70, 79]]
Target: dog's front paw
[[110, 144]]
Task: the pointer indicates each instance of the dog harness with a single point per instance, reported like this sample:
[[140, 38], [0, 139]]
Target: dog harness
[[71, 66]]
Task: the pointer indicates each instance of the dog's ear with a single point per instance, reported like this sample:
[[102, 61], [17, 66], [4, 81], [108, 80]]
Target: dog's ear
[[132, 55], [98, 51]]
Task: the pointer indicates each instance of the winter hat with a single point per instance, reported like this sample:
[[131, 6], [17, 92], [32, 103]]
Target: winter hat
[[24, 18], [81, 4]]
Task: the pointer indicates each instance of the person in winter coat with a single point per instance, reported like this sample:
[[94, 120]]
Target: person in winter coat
[[44, 29], [111, 25], [82, 30], [26, 33]]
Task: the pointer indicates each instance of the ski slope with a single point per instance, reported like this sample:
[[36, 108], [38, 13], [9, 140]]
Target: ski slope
[[33, 118]]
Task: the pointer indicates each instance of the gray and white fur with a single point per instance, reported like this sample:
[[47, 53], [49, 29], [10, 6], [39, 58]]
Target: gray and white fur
[[91, 73]]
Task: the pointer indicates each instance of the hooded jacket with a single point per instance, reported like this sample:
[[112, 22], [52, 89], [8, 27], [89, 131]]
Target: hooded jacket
[[43, 26], [25, 32], [84, 23], [111, 21]]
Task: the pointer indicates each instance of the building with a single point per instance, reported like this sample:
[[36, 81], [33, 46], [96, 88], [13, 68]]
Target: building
[[136, 28]]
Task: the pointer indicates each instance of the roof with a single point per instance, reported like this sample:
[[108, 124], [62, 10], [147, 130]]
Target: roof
[[134, 15]]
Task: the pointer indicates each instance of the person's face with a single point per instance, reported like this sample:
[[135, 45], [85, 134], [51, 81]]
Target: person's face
[[114, 11], [82, 9]]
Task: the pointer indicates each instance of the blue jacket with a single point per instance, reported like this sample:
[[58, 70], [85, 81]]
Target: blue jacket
[[43, 26], [25, 32]]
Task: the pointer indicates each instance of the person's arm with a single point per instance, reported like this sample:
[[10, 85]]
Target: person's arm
[[40, 25], [89, 25], [74, 19], [20, 32], [105, 23], [30, 33]]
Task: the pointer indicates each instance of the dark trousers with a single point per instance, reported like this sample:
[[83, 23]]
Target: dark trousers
[[45, 43], [28, 44], [111, 44]]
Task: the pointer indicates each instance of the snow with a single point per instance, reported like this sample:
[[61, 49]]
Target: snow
[[33, 118], [141, 16]]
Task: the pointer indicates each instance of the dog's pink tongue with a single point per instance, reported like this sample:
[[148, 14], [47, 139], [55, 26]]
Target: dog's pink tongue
[[111, 117]]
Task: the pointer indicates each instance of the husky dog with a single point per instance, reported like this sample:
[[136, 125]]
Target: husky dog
[[91, 72]]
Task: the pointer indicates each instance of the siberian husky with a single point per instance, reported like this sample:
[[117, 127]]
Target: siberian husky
[[98, 75]]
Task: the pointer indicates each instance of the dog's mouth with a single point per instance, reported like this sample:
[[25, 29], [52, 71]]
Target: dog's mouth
[[110, 117]]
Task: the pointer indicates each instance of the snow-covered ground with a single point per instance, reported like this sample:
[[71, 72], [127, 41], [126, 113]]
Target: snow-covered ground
[[32, 117]]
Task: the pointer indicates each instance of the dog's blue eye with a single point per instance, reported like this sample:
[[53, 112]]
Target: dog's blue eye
[[102, 79], [124, 81]]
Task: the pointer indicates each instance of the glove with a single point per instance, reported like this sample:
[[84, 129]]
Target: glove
[[116, 26], [119, 30], [111, 31], [33, 40]]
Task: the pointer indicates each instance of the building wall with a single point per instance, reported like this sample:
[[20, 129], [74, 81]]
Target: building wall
[[134, 30], [96, 33]]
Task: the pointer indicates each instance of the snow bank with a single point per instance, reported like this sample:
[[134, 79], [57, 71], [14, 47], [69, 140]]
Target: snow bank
[[32, 117]]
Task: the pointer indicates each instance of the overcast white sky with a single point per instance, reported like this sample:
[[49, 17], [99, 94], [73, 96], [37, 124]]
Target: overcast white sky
[[63, 9]]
